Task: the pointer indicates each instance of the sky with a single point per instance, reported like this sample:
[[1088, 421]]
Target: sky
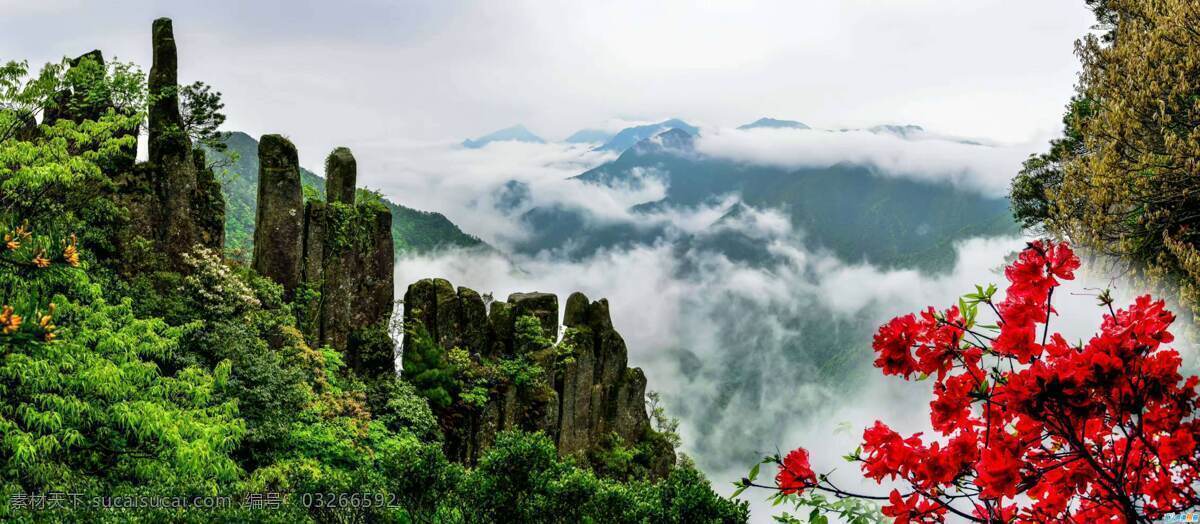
[[370, 71]]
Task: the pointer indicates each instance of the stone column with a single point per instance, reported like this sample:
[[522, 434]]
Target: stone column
[[279, 222], [341, 172], [169, 144]]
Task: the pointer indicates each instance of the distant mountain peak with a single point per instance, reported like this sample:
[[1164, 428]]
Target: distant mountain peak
[[630, 136], [673, 139], [772, 123], [516, 133]]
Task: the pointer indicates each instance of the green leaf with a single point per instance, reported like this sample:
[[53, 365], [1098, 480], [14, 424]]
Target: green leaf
[[738, 492]]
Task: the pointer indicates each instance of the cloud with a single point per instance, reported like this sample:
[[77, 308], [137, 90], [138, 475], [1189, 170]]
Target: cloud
[[463, 183], [984, 168]]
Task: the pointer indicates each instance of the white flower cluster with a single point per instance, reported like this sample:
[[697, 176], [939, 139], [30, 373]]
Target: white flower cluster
[[214, 283]]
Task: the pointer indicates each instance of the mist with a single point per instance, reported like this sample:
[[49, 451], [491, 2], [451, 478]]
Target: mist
[[984, 167], [753, 358]]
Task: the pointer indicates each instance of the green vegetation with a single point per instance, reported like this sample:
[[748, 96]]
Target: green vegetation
[[1122, 180], [413, 231], [521, 479], [185, 378], [452, 379]]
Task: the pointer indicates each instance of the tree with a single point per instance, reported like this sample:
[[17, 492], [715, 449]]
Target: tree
[[1122, 181], [522, 479], [90, 113], [1032, 191], [201, 108], [1029, 427]]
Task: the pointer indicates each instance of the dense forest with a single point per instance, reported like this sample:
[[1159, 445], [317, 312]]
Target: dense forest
[[144, 364]]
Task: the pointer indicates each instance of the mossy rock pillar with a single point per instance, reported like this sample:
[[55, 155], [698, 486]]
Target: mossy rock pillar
[[279, 222]]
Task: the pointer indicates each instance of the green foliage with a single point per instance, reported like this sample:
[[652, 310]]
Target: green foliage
[[519, 371], [429, 370], [664, 424], [200, 108], [313, 194], [449, 376], [349, 227], [1041, 175], [90, 410], [54, 169], [613, 459], [406, 410], [528, 335], [1122, 180], [817, 509], [521, 479], [373, 347]]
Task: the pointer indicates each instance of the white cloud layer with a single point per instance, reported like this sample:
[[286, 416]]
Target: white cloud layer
[[984, 168]]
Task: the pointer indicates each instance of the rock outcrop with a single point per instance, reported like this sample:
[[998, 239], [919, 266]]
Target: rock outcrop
[[341, 173], [191, 206], [591, 395], [172, 203], [336, 253], [279, 223]]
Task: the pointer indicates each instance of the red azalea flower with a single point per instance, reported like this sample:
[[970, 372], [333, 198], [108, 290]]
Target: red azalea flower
[[1086, 433], [951, 406], [914, 509], [893, 343], [999, 467], [795, 474]]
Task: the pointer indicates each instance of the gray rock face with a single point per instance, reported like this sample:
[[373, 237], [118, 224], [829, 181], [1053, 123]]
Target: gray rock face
[[168, 142], [341, 173], [189, 207], [340, 253], [543, 306], [590, 394], [472, 321], [173, 200], [279, 221], [576, 310]]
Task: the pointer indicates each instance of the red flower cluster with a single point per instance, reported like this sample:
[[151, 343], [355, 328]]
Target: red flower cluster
[[795, 474], [1038, 430], [913, 509]]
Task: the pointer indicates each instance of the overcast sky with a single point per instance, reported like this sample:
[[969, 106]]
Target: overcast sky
[[355, 72]]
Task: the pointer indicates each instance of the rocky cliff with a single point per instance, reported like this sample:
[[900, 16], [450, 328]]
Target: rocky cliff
[[168, 205], [173, 201], [334, 256], [580, 391]]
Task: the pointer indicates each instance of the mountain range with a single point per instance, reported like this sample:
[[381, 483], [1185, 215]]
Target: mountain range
[[857, 211], [589, 136]]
